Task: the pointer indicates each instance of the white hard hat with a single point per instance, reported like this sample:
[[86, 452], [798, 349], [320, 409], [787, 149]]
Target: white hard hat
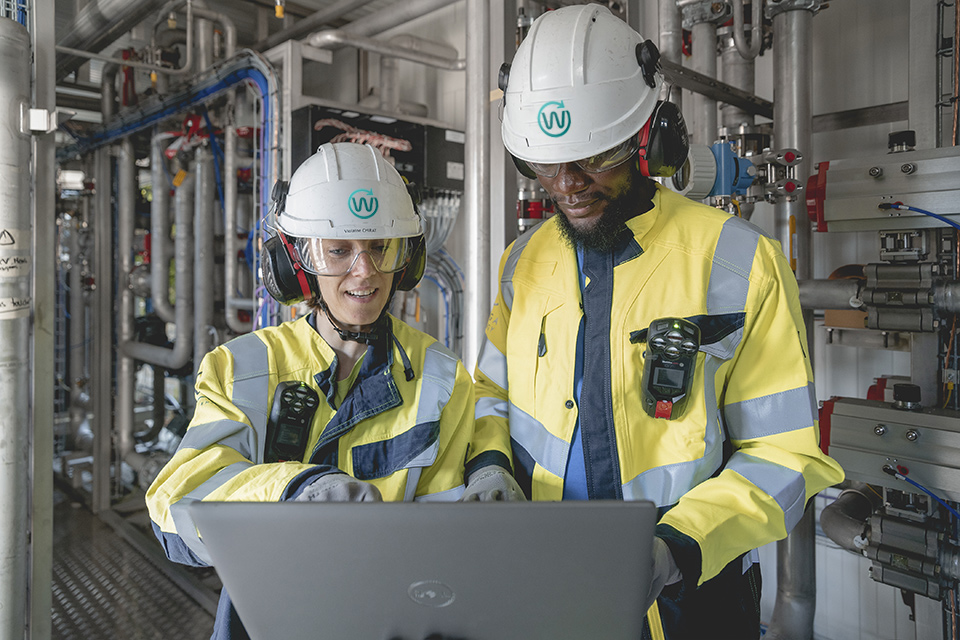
[[348, 190], [581, 82]]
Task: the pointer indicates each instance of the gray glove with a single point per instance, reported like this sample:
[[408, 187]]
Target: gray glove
[[339, 487], [664, 571], [492, 484]]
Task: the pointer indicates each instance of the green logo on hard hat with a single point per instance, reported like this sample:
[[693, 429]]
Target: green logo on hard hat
[[553, 119], [362, 203]]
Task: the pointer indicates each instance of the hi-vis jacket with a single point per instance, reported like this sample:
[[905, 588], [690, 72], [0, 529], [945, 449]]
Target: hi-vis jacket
[[407, 437], [735, 471]]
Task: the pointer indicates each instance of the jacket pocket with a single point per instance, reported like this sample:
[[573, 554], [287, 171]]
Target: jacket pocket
[[416, 447]]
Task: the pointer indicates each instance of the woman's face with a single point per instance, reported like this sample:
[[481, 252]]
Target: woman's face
[[357, 297]]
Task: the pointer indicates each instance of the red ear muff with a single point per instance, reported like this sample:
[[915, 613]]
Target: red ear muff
[[283, 277], [663, 142]]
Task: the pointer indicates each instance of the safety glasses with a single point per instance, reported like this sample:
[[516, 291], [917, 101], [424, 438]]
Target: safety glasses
[[337, 257], [599, 163]]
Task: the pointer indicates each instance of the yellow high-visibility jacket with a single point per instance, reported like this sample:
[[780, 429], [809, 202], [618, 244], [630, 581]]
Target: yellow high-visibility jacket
[[408, 437], [732, 473]]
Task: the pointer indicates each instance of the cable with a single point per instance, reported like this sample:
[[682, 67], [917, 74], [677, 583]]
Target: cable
[[904, 207], [889, 470]]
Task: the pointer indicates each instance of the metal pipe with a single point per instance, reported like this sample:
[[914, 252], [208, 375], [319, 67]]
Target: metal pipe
[[160, 231], [126, 366], [793, 87], [796, 570], [946, 297], [739, 73], [101, 326], [705, 62], [477, 180], [748, 52], [845, 520], [829, 294], [332, 38], [796, 583], [79, 399], [389, 84], [312, 22], [203, 258], [182, 349], [671, 43], [16, 325], [98, 24], [231, 243], [398, 13], [108, 90]]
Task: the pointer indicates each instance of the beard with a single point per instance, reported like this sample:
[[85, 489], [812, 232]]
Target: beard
[[606, 233]]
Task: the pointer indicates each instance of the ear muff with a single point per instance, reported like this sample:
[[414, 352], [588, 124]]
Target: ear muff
[[410, 276], [283, 277], [663, 142]]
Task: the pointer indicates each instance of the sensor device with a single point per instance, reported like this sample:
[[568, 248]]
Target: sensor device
[[288, 429], [669, 364]]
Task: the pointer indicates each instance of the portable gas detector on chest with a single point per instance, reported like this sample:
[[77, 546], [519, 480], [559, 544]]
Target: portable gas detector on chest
[[669, 365]]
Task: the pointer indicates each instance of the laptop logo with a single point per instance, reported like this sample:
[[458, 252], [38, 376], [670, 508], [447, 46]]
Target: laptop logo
[[431, 593]]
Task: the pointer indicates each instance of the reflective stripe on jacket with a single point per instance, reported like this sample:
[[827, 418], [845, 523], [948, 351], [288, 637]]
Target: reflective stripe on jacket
[[738, 467], [409, 438]]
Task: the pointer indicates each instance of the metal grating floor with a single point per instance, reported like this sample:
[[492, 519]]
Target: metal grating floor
[[104, 588]]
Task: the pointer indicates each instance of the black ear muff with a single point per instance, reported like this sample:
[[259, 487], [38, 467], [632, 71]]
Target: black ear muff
[[648, 57], [283, 277], [663, 142], [503, 77], [410, 276]]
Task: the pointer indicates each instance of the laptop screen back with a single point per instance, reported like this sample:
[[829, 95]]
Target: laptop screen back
[[409, 571]]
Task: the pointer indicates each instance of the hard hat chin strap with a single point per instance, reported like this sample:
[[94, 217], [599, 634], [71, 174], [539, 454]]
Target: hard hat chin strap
[[363, 337]]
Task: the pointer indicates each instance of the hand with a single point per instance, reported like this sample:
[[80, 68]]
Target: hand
[[664, 571], [492, 484], [339, 487]]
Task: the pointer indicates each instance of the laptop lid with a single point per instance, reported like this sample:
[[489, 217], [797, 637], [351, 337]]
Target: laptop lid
[[411, 571]]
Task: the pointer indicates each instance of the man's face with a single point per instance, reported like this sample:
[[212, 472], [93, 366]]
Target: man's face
[[584, 197]]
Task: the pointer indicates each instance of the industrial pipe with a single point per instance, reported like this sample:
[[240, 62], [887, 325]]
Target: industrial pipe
[[182, 349], [389, 98], [126, 366], [231, 243], [671, 43], [16, 329], [160, 230], [98, 24], [476, 185], [796, 570], [204, 258], [341, 37], [830, 294], [312, 22], [704, 60], [398, 13], [845, 519], [756, 29]]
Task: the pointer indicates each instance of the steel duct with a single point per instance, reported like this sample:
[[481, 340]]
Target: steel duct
[[329, 39], [160, 231], [98, 24], [204, 279], [476, 186], [126, 366], [182, 349], [312, 23], [16, 326]]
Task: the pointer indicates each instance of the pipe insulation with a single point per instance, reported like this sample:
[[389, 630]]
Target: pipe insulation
[[845, 520], [204, 258], [160, 242], [126, 366], [16, 324], [98, 24]]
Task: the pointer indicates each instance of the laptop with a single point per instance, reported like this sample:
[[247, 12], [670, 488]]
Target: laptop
[[437, 571]]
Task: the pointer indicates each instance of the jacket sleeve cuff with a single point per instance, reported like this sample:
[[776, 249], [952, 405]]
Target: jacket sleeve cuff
[[300, 482], [486, 459], [686, 553]]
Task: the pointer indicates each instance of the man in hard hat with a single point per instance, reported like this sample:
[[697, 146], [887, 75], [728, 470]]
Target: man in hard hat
[[361, 406], [642, 346]]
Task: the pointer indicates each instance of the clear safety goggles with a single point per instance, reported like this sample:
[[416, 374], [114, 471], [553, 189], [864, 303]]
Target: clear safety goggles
[[337, 256], [599, 163]]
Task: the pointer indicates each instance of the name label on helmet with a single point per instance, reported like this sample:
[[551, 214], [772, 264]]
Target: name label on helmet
[[363, 203], [554, 119]]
